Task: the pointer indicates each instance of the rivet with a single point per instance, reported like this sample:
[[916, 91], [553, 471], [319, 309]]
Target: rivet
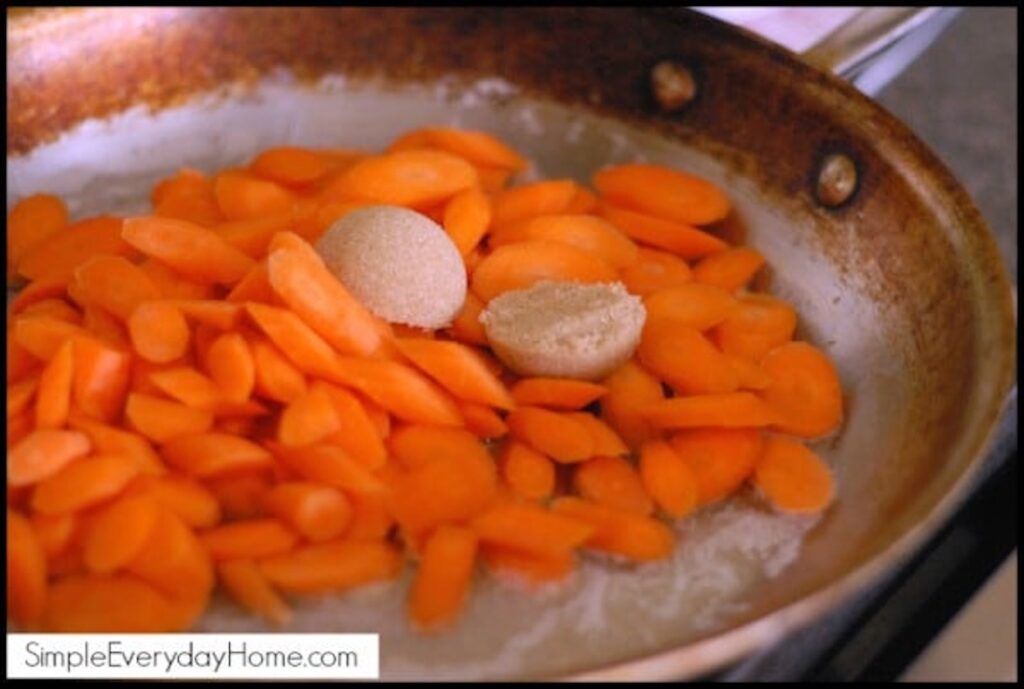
[[837, 180], [673, 85]]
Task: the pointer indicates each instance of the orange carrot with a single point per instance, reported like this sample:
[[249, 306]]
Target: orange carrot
[[693, 305], [729, 269], [332, 567], [252, 236], [316, 512], [188, 195], [416, 179], [57, 256], [192, 250], [478, 148], [53, 399], [308, 419], [20, 395], [240, 494], [205, 454], [241, 196], [105, 327], [482, 421], [612, 482], [174, 562], [583, 201], [527, 472], [188, 386], [530, 200], [528, 568], [109, 440], [655, 270], [625, 534], [759, 324], [457, 368], [172, 284], [793, 478], [466, 328], [32, 220], [519, 265], [296, 340], [245, 583], [56, 532], [668, 478], [331, 466], [114, 283], [466, 218], [371, 519], [291, 166], [101, 378], [42, 336], [681, 239], [531, 529], [749, 374], [443, 577], [230, 365], [184, 497], [685, 359], [662, 192], [38, 290], [159, 331], [162, 420], [26, 573], [554, 434], [83, 483], [585, 232], [721, 459], [43, 453], [117, 532], [254, 538], [804, 393], [218, 314], [20, 363], [723, 410], [55, 308], [415, 446], [358, 434], [606, 440], [110, 604], [276, 378], [556, 393], [399, 389]]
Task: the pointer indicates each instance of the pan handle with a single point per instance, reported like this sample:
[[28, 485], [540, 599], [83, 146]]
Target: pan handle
[[853, 50]]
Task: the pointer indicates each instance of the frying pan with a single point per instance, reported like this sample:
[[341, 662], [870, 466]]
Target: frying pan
[[888, 262]]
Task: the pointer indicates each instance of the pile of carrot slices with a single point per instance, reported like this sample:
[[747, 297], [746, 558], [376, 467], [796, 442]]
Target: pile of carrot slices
[[194, 401]]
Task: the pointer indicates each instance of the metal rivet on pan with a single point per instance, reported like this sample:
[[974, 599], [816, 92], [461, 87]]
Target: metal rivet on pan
[[673, 85], [837, 180]]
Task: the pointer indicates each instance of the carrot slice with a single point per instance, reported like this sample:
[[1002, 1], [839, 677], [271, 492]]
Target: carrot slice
[[103, 603], [531, 200], [102, 375], [174, 285], [457, 368], [632, 536], [316, 512], [230, 365], [612, 482], [55, 532], [606, 440], [804, 392], [681, 239], [749, 374], [162, 420], [585, 232], [557, 435], [55, 308], [583, 202], [299, 276], [42, 336], [662, 192], [556, 393], [218, 314], [520, 265], [188, 195], [174, 562], [685, 359], [482, 421], [53, 399], [184, 497], [118, 531], [192, 250], [416, 179], [276, 377], [331, 466], [729, 269], [528, 568], [443, 577], [43, 453], [415, 446], [206, 454], [309, 419], [57, 256], [531, 529], [693, 305], [724, 410], [399, 389], [20, 395], [245, 583], [254, 538], [45, 288], [240, 494], [655, 270], [332, 567], [159, 331], [241, 196], [105, 327], [759, 324], [26, 573], [188, 386], [527, 472], [358, 434], [114, 283], [109, 440], [447, 489], [478, 148], [291, 166], [466, 328], [32, 220], [668, 478], [83, 483], [371, 519], [793, 478], [721, 458], [466, 218]]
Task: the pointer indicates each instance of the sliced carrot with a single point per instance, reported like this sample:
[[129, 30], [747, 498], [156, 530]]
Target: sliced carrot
[[291, 166], [759, 324], [721, 458], [519, 265], [187, 385], [528, 568], [103, 603], [527, 472], [662, 192], [308, 419], [118, 531], [58, 255], [255, 287], [174, 285], [162, 420], [555, 434], [685, 359], [749, 374], [632, 536], [457, 368], [358, 434], [26, 573], [194, 251], [300, 278], [531, 200], [230, 365], [482, 421], [276, 377], [804, 392], [606, 440], [174, 561], [466, 328], [415, 178], [668, 478], [655, 270], [252, 236], [723, 410], [371, 519], [254, 538], [612, 482], [332, 567], [241, 196], [53, 399], [330, 465], [312, 217], [19, 426], [493, 179], [45, 288], [185, 497], [55, 308], [159, 331], [477, 147], [793, 478], [105, 327], [20, 395], [55, 532], [296, 340], [32, 220], [693, 305], [316, 512], [531, 529], [185, 181], [102, 375], [83, 483], [206, 454], [109, 440], [466, 218], [20, 363], [399, 389], [585, 232], [114, 283], [583, 201], [42, 336], [218, 314], [729, 269], [681, 239], [240, 494], [245, 583], [556, 393], [442, 581], [415, 446], [187, 196], [43, 453]]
